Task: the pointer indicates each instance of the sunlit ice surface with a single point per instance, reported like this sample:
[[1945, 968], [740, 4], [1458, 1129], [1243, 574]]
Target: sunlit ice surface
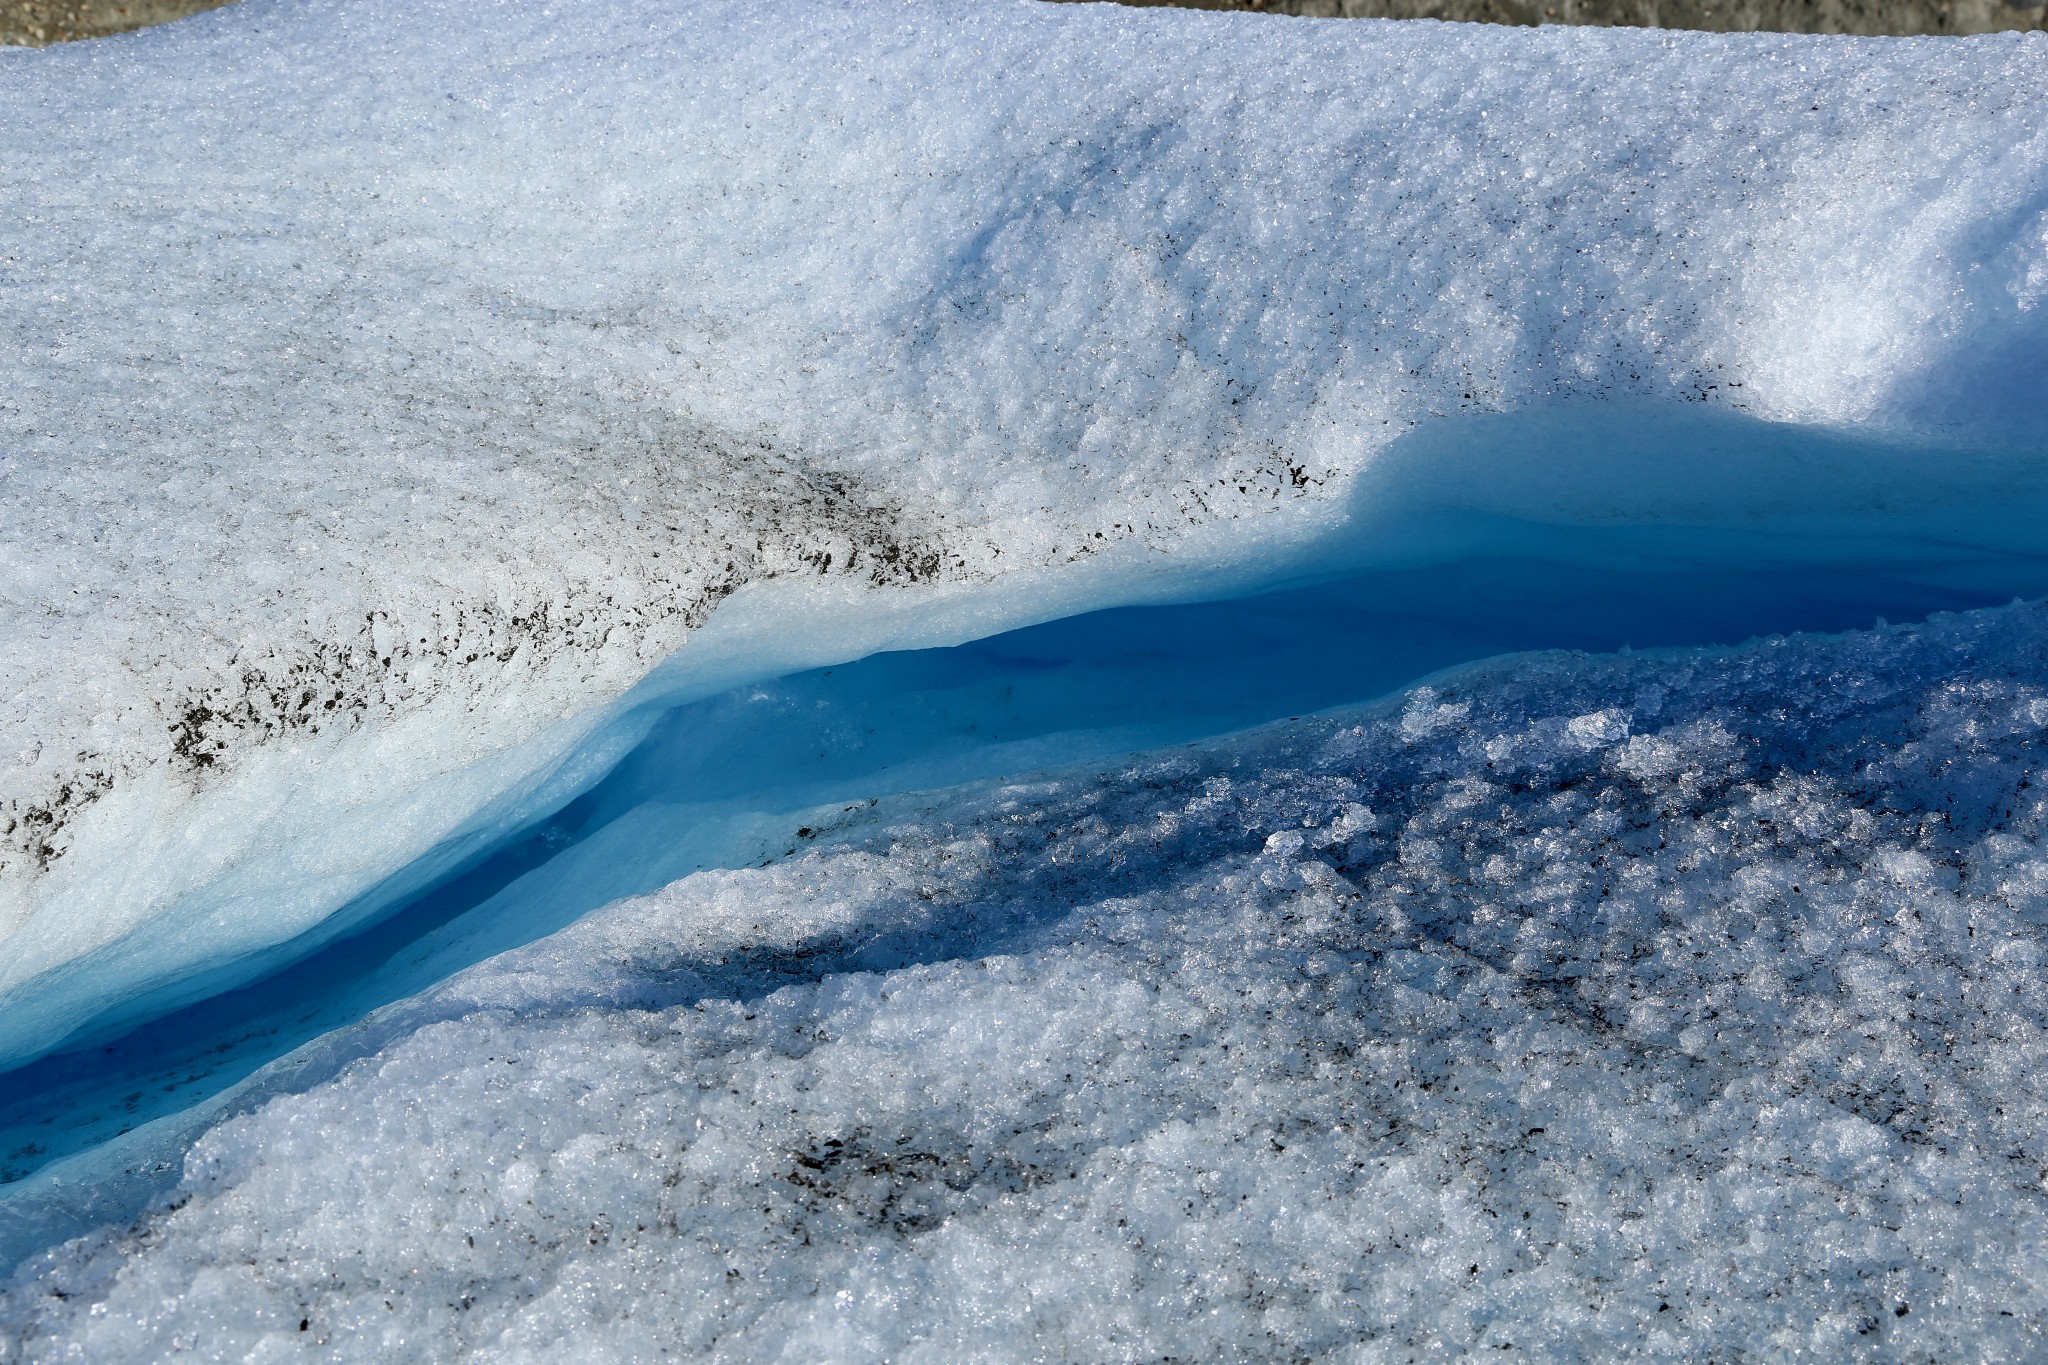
[[1222, 689]]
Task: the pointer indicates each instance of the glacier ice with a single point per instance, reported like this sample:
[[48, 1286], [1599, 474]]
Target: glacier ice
[[393, 386], [1682, 1002], [451, 452], [722, 782]]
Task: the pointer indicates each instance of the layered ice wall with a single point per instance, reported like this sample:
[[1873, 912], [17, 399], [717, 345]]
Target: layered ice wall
[[390, 387]]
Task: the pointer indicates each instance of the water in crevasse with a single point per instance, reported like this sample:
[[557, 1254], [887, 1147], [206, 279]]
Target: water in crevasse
[[730, 780]]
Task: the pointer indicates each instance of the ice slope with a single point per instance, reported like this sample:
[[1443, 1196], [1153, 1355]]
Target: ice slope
[[1683, 1005], [389, 387]]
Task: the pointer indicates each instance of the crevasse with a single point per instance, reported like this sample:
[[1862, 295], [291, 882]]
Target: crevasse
[[843, 479]]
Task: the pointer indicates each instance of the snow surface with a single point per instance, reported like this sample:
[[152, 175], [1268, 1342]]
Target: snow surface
[[418, 415], [1684, 1003], [389, 386]]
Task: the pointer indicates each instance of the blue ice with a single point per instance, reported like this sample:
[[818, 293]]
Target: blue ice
[[748, 775]]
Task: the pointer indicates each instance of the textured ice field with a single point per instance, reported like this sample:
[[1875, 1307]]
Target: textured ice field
[[450, 452], [1687, 1004]]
